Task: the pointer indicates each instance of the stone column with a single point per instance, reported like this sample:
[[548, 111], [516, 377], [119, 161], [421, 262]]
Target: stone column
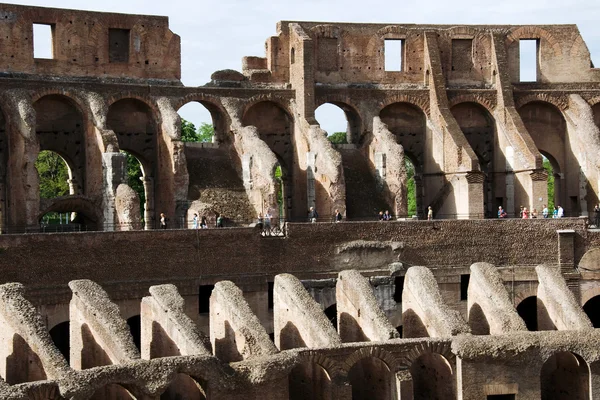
[[114, 166], [149, 217]]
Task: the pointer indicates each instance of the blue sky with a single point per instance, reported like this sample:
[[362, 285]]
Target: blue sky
[[217, 34]]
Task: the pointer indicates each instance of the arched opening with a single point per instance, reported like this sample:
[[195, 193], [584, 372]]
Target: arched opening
[[592, 309], [310, 381], [331, 314], [553, 171], [201, 122], [183, 387], [60, 335], [565, 376], [408, 123], [55, 175], [478, 126], [411, 187], [112, 391], [548, 129], [275, 127], [68, 214], [341, 122], [60, 128], [135, 327], [432, 378], [135, 180], [528, 311], [371, 379], [133, 123]]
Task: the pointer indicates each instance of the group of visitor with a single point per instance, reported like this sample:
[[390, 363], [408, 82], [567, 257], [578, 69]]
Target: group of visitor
[[524, 213]]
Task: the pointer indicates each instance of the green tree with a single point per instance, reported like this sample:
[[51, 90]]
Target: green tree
[[188, 131], [410, 186], [548, 168], [205, 133], [54, 173], [338, 138], [134, 173]]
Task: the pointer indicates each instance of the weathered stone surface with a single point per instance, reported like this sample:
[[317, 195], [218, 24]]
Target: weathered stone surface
[[127, 205]]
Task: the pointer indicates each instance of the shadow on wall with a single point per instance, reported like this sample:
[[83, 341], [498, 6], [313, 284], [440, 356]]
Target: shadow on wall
[[477, 321], [226, 348], [26, 364], [565, 376], [413, 326], [432, 378], [352, 331], [290, 337], [310, 381]]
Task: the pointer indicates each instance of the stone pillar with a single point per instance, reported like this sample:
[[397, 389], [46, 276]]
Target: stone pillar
[[149, 217], [310, 177], [114, 166], [475, 194], [566, 261]]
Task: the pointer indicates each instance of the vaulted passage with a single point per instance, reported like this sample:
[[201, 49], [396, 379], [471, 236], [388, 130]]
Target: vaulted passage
[[275, 127], [432, 378], [478, 127], [408, 123], [60, 336], [310, 382], [133, 122], [371, 379], [546, 125], [565, 376], [592, 309], [527, 310]]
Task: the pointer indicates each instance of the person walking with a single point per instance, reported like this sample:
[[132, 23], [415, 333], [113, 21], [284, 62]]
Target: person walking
[[380, 216], [387, 216], [163, 221], [555, 212], [545, 211], [267, 219], [338, 216], [501, 212], [203, 223], [195, 221], [430, 213], [560, 212], [313, 215], [220, 221], [524, 213]]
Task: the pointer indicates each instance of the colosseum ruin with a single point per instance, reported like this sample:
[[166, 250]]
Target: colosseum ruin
[[461, 307]]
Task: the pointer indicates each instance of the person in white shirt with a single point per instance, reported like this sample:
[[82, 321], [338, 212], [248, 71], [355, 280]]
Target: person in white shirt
[[561, 212]]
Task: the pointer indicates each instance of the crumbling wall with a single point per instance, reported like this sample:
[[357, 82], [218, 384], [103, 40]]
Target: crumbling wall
[[127, 206]]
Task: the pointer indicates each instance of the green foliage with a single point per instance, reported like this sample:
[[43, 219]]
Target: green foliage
[[189, 133], [411, 196], [338, 138], [54, 173], [134, 173], [548, 168]]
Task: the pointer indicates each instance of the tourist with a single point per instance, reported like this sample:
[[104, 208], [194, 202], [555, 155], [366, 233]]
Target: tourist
[[338, 216], [163, 221], [220, 221], [203, 224], [387, 216], [268, 217], [545, 211], [501, 212], [313, 215], [597, 216], [521, 212], [195, 221], [555, 212], [560, 212], [380, 216], [524, 213], [429, 213]]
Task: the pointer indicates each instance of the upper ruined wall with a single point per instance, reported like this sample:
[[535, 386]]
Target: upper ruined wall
[[354, 53], [90, 44]]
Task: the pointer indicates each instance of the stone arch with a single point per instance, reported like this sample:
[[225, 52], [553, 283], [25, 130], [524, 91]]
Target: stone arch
[[388, 358], [392, 32], [72, 96], [576, 47], [148, 101], [221, 120], [565, 376], [282, 102], [353, 117], [589, 294], [562, 103], [442, 348], [333, 368], [183, 386], [421, 102], [534, 32], [594, 100], [591, 307], [464, 32], [487, 102], [85, 208], [371, 378], [523, 294]]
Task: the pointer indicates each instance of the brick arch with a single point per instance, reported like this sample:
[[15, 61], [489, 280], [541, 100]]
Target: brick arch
[[375, 352], [392, 31], [144, 99], [200, 98], [280, 101], [483, 101], [76, 203], [592, 101], [560, 103], [575, 49], [421, 102], [534, 32], [327, 31], [333, 368], [524, 294], [444, 349], [70, 96]]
